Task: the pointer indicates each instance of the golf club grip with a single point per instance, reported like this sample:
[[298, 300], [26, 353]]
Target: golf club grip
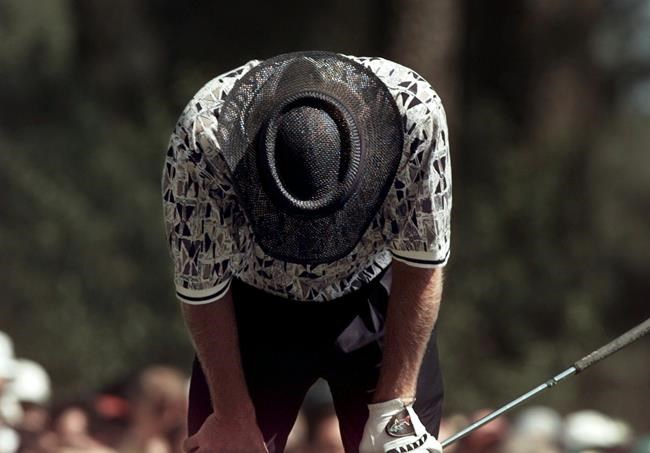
[[628, 337]]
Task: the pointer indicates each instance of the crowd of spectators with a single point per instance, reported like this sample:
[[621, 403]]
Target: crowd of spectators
[[146, 414]]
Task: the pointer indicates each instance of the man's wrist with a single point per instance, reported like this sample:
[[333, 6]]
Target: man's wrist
[[405, 399], [392, 386], [240, 417], [234, 405]]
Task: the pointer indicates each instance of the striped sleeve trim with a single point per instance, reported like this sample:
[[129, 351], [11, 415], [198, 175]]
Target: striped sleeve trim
[[202, 296], [420, 259]]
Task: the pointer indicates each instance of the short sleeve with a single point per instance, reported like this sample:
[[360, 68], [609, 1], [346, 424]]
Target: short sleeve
[[199, 203], [198, 238], [418, 209]]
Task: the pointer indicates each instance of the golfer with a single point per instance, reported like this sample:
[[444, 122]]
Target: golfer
[[307, 203]]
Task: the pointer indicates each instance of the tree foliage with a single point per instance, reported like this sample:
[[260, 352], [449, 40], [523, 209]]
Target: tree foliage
[[551, 175]]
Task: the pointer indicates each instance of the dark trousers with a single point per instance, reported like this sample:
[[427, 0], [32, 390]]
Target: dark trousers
[[286, 346]]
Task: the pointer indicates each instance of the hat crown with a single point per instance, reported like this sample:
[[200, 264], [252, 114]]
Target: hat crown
[[313, 141], [308, 152]]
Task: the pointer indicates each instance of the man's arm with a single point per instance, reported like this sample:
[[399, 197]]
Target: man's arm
[[232, 427], [412, 312]]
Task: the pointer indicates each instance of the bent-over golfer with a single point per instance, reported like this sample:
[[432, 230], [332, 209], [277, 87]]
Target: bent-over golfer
[[307, 203]]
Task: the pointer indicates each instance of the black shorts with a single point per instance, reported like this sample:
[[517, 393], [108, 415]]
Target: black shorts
[[286, 346]]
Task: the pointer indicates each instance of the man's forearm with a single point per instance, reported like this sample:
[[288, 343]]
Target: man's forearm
[[214, 333], [412, 312]]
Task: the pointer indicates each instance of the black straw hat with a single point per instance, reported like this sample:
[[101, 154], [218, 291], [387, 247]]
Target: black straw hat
[[313, 141]]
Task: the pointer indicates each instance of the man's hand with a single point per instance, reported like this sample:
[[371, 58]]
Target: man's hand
[[226, 435], [393, 427], [232, 428]]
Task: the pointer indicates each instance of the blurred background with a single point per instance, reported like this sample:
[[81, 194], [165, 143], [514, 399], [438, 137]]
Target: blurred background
[[548, 105]]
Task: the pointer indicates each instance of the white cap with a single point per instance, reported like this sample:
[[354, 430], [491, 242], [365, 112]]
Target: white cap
[[591, 429], [7, 362], [6, 346], [9, 440], [31, 383], [540, 422]]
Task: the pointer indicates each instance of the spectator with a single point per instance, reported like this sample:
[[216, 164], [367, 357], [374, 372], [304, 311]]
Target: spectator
[[451, 425], [158, 407], [10, 412], [31, 387], [326, 436], [642, 445], [487, 439], [110, 417], [72, 433], [317, 428], [535, 430], [9, 440], [589, 429], [7, 362], [298, 439]]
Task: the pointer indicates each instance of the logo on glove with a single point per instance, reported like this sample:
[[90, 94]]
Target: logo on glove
[[400, 425]]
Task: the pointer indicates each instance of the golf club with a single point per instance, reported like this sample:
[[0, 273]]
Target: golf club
[[628, 337]]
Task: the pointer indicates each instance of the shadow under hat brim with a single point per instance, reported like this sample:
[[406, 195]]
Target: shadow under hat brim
[[289, 235]]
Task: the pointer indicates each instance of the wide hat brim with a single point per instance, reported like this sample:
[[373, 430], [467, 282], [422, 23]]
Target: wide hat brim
[[308, 237]]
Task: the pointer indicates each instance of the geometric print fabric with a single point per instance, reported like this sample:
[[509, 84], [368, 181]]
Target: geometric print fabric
[[210, 239]]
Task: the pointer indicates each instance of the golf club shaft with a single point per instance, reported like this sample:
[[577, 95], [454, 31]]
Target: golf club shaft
[[511, 405], [629, 337]]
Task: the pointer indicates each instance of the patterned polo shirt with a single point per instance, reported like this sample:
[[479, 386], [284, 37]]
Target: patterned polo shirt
[[211, 241]]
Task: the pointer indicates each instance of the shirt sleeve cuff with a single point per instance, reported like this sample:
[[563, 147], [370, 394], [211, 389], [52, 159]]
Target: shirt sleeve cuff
[[427, 260], [202, 296]]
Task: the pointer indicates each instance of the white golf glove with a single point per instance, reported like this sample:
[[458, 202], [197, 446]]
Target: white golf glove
[[394, 427]]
